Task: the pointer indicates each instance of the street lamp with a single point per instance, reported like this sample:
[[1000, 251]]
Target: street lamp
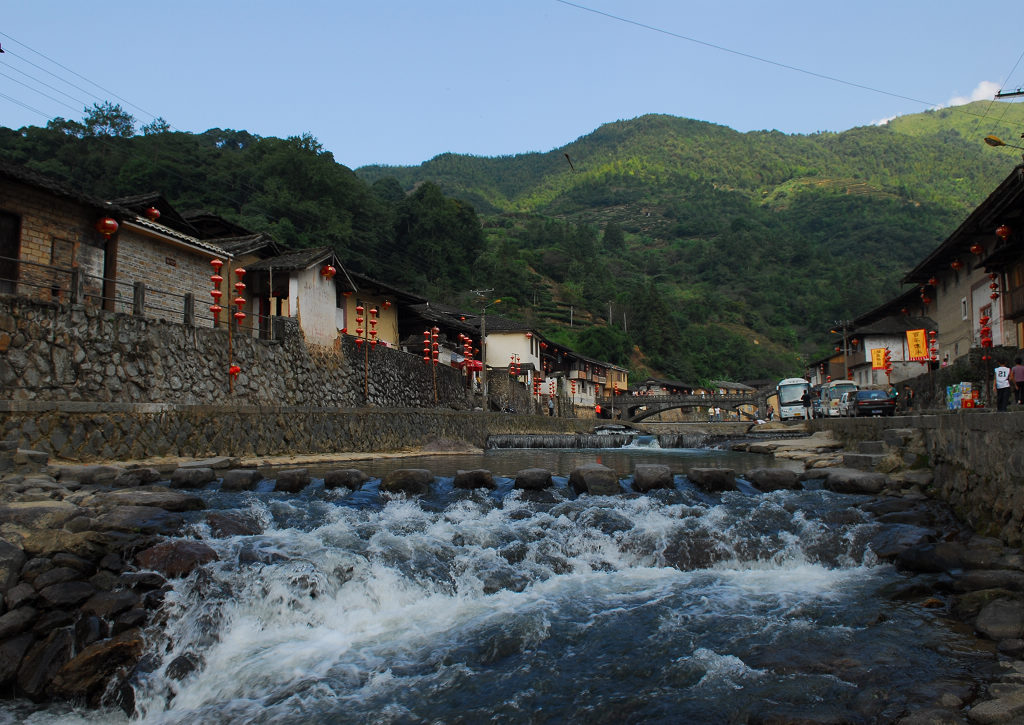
[[993, 140]]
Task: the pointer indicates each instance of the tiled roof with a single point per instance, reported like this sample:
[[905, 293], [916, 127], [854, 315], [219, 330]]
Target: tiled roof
[[247, 244], [295, 259], [58, 188]]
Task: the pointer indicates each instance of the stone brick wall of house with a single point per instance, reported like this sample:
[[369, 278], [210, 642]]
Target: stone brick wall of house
[[51, 227], [168, 274], [60, 352]]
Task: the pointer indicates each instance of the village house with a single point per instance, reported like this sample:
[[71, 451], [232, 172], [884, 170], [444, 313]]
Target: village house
[[56, 243], [964, 279]]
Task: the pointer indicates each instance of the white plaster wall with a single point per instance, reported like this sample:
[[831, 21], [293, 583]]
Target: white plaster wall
[[312, 301]]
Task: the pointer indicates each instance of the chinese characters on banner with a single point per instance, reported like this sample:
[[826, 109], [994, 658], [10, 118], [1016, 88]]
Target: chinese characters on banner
[[917, 345], [878, 358]]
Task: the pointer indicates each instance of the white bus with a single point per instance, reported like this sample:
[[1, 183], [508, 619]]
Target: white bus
[[790, 393], [832, 392]]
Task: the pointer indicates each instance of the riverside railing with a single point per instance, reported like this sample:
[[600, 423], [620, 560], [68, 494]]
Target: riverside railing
[[75, 286]]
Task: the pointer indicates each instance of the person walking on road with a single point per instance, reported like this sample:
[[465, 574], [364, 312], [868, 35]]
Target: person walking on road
[[1002, 386], [806, 400]]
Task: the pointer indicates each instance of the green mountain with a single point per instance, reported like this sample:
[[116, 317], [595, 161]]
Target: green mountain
[[680, 248], [733, 237]]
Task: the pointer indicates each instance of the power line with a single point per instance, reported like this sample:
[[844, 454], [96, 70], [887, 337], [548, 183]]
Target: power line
[[759, 59]]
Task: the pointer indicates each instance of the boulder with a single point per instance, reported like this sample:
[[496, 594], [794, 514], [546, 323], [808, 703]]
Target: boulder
[[19, 594], [176, 558], [139, 519], [533, 479], [217, 463], [158, 496], [848, 480], [37, 514], [86, 675], [16, 621], [67, 594], [407, 480], [232, 523], [11, 653], [240, 479], [145, 475], [595, 479], [43, 661], [648, 476], [713, 479], [56, 575], [90, 544], [345, 478], [107, 604], [773, 479], [292, 480], [192, 477], [942, 556], [91, 475], [891, 541], [976, 579], [11, 560], [476, 478]]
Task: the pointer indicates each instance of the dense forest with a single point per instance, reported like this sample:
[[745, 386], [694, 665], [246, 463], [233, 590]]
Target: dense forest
[[676, 247]]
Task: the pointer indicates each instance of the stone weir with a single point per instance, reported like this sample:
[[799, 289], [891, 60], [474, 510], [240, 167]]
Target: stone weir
[[87, 553]]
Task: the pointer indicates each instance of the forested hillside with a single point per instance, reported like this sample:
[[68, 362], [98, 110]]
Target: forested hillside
[[677, 247]]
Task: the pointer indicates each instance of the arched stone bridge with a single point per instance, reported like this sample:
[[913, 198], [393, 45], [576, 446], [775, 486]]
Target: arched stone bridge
[[634, 408]]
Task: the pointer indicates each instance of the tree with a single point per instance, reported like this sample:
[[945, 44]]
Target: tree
[[157, 125], [108, 119], [613, 239]]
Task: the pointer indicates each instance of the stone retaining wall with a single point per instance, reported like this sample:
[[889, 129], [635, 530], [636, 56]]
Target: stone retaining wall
[[61, 352], [977, 456], [111, 432]]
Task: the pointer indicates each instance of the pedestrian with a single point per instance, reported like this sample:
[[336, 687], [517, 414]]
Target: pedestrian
[[1001, 382], [718, 414], [806, 400], [551, 406], [1017, 372], [771, 413], [908, 398]]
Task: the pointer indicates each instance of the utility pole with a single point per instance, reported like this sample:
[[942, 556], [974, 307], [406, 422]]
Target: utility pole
[[482, 293], [841, 326]]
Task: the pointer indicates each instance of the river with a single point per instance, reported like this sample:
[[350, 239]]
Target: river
[[505, 606]]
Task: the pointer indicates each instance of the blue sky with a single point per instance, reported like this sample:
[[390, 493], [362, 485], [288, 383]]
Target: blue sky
[[401, 81]]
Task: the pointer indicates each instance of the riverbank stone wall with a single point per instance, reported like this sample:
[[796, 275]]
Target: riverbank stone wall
[[977, 458]]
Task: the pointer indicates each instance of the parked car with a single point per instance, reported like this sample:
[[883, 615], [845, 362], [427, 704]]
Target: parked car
[[842, 407], [869, 402]]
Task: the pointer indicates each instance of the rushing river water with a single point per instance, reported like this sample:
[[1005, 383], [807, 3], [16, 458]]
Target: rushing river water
[[502, 606]]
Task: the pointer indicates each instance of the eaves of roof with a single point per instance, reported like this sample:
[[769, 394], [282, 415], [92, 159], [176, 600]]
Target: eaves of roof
[[979, 224]]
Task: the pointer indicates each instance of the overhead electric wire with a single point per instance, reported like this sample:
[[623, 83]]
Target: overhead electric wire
[[36, 90], [77, 75], [759, 59]]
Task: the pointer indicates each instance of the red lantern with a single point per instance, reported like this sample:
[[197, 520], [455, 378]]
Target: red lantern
[[1003, 232], [957, 265], [977, 249], [933, 281], [240, 272], [238, 301], [529, 335], [328, 271], [386, 305], [926, 299], [239, 287], [359, 340], [106, 226], [994, 296], [216, 294], [234, 370], [904, 311], [216, 264], [239, 316], [152, 213]]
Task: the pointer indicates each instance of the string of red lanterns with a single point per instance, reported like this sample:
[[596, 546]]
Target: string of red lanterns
[[994, 285], [985, 336]]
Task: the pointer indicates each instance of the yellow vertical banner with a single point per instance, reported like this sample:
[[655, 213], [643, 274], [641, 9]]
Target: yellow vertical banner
[[878, 358], [917, 345]]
